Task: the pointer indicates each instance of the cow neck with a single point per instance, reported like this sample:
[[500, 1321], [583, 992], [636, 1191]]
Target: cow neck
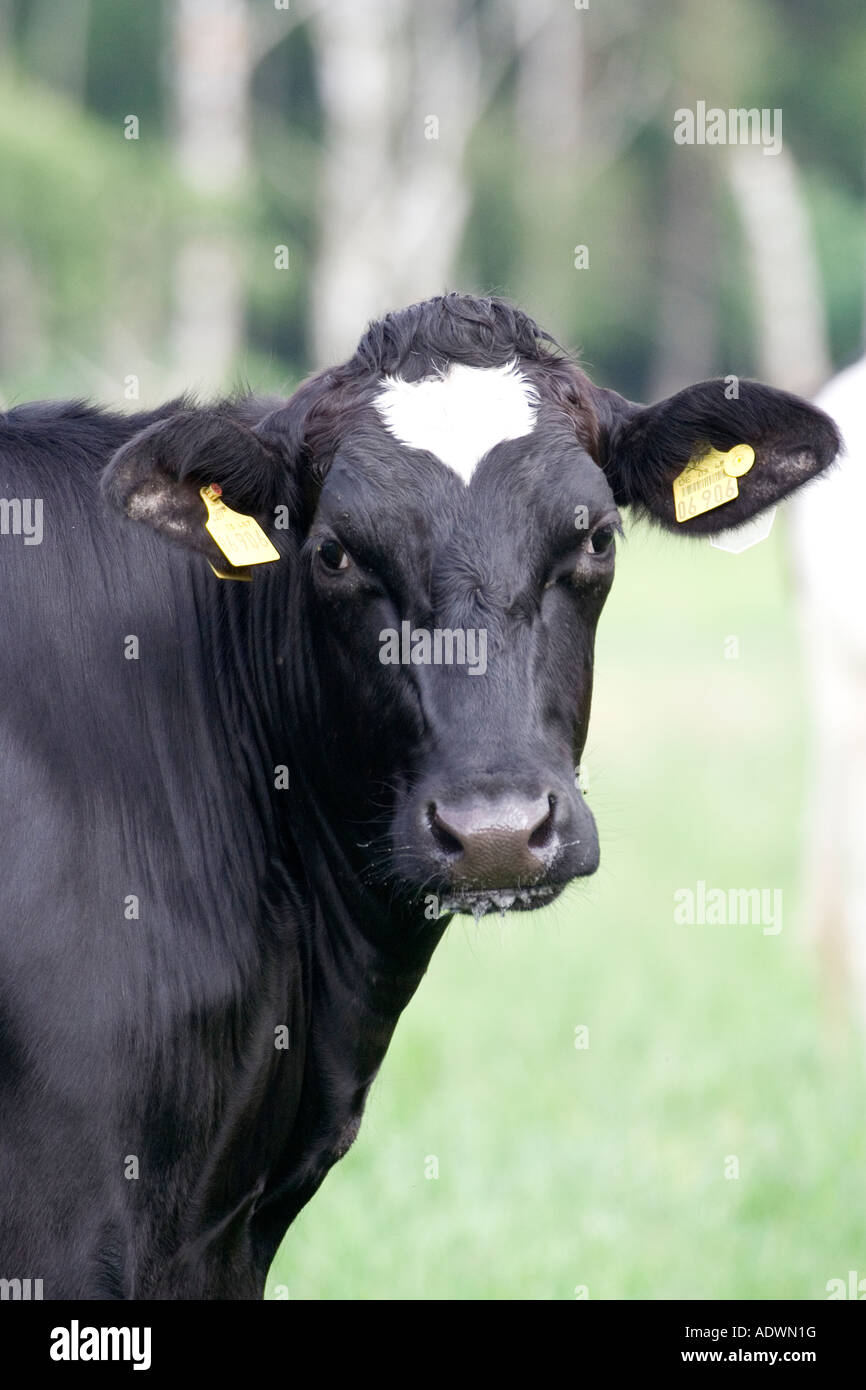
[[364, 926], [361, 920]]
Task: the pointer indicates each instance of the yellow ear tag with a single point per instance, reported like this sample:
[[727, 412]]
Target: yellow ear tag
[[710, 480], [231, 574], [240, 538]]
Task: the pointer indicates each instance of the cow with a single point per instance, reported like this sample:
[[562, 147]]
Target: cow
[[284, 685], [829, 569]]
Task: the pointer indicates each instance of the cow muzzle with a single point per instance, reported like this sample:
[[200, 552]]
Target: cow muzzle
[[509, 850]]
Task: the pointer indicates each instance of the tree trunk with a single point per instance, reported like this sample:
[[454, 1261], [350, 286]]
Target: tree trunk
[[793, 354], [362, 67], [211, 68], [402, 90], [791, 329], [550, 80], [685, 337]]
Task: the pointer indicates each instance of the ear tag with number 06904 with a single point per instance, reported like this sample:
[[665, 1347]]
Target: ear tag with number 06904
[[710, 480]]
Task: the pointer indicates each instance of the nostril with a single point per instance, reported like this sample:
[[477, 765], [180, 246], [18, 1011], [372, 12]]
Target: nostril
[[543, 832], [444, 838]]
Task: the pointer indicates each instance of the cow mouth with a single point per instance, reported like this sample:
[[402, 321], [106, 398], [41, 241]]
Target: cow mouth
[[481, 901]]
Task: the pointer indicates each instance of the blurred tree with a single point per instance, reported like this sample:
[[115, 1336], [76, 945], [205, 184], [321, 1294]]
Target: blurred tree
[[126, 45], [58, 52], [792, 347], [686, 348], [399, 150], [403, 88], [211, 66], [575, 202], [550, 85], [399, 101], [84, 222]]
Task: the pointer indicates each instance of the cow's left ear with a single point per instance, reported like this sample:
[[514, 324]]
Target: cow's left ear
[[707, 459]]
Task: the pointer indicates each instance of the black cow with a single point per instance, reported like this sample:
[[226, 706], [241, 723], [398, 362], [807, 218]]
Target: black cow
[[234, 816]]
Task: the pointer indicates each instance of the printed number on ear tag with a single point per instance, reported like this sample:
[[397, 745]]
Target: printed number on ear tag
[[240, 538], [710, 480]]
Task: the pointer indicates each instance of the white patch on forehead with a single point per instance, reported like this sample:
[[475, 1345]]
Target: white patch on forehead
[[459, 415]]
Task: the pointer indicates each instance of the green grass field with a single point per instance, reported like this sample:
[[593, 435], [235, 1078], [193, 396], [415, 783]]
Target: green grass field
[[605, 1166]]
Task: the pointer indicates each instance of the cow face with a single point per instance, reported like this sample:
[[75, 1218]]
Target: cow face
[[453, 594], [454, 492]]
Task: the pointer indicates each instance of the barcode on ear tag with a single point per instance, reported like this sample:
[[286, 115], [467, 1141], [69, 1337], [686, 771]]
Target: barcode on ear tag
[[710, 480], [240, 538]]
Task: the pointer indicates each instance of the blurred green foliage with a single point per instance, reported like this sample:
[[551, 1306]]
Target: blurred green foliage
[[93, 219], [86, 215]]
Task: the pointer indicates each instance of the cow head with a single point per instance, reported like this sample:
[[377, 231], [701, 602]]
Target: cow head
[[454, 495]]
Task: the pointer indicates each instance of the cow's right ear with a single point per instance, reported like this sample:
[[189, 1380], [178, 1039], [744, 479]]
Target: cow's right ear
[[156, 477]]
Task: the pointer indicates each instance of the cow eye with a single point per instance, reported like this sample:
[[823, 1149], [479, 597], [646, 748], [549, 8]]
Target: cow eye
[[600, 542], [333, 556]]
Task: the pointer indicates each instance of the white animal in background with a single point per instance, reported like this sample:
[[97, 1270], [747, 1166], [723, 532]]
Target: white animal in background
[[826, 521]]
